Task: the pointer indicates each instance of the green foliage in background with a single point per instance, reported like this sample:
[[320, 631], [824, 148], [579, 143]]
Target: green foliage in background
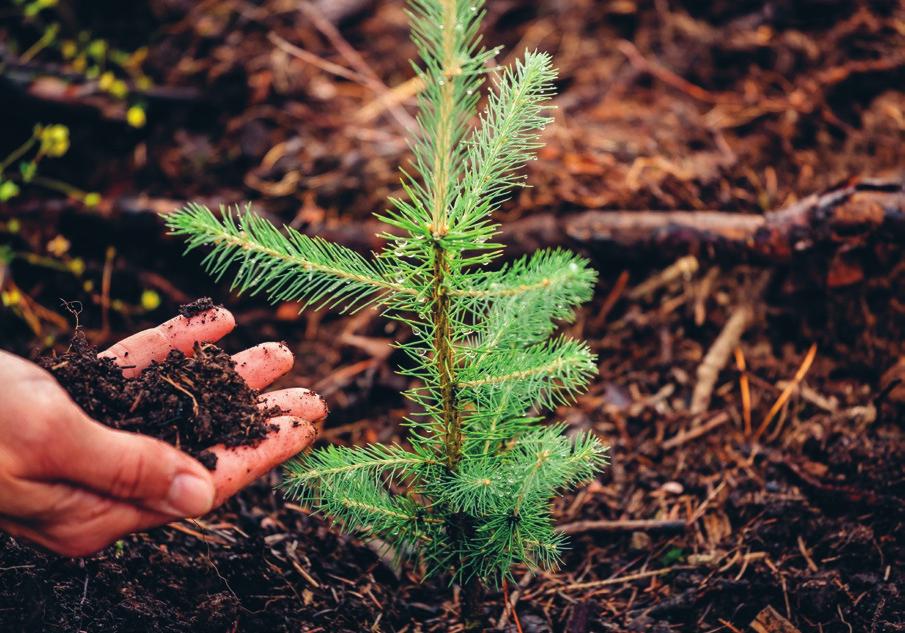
[[112, 71], [470, 494], [20, 167]]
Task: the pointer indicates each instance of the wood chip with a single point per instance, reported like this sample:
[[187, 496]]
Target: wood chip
[[769, 621]]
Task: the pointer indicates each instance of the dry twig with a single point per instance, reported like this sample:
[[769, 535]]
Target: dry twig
[[355, 59], [744, 388], [787, 392], [596, 584], [717, 357], [702, 429], [684, 267], [314, 60]]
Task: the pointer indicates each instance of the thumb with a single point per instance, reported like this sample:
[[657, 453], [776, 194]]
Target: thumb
[[133, 468]]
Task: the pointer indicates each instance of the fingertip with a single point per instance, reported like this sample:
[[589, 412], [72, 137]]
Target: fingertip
[[189, 495], [262, 364], [239, 466], [206, 327], [138, 351], [296, 401]]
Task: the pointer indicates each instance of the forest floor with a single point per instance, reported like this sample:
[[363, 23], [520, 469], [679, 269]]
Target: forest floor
[[751, 376]]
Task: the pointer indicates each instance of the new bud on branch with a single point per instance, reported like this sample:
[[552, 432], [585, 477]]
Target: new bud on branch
[[479, 469]]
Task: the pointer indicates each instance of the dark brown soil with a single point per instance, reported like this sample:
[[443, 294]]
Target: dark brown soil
[[196, 307], [192, 402], [232, 576]]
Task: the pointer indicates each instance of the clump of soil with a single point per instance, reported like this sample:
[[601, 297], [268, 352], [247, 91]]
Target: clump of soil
[[196, 307], [192, 402]]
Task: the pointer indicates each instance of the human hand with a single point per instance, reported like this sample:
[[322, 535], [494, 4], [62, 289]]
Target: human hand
[[74, 485]]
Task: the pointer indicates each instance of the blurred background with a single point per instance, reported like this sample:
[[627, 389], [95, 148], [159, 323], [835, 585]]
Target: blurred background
[[733, 169]]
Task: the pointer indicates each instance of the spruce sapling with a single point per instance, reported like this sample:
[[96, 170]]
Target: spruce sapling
[[479, 470]]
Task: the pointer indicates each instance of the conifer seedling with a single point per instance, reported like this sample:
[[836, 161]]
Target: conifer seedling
[[469, 493]]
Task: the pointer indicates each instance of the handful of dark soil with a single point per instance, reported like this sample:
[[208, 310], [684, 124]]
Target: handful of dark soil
[[191, 402]]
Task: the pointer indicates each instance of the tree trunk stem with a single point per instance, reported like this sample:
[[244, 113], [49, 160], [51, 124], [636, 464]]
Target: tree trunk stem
[[470, 604]]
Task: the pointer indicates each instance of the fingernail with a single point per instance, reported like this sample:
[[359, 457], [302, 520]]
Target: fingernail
[[189, 496]]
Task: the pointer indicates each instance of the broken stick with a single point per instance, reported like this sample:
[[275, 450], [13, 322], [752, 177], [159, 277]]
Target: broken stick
[[625, 525], [833, 218]]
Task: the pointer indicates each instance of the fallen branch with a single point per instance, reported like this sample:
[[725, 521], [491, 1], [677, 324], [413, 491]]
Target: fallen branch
[[52, 84], [839, 216], [394, 98], [626, 525]]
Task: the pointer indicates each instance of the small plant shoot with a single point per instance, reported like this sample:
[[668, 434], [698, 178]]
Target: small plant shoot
[[470, 492]]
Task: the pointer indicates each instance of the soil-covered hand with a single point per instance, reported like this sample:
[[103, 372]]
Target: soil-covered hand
[[74, 485]]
